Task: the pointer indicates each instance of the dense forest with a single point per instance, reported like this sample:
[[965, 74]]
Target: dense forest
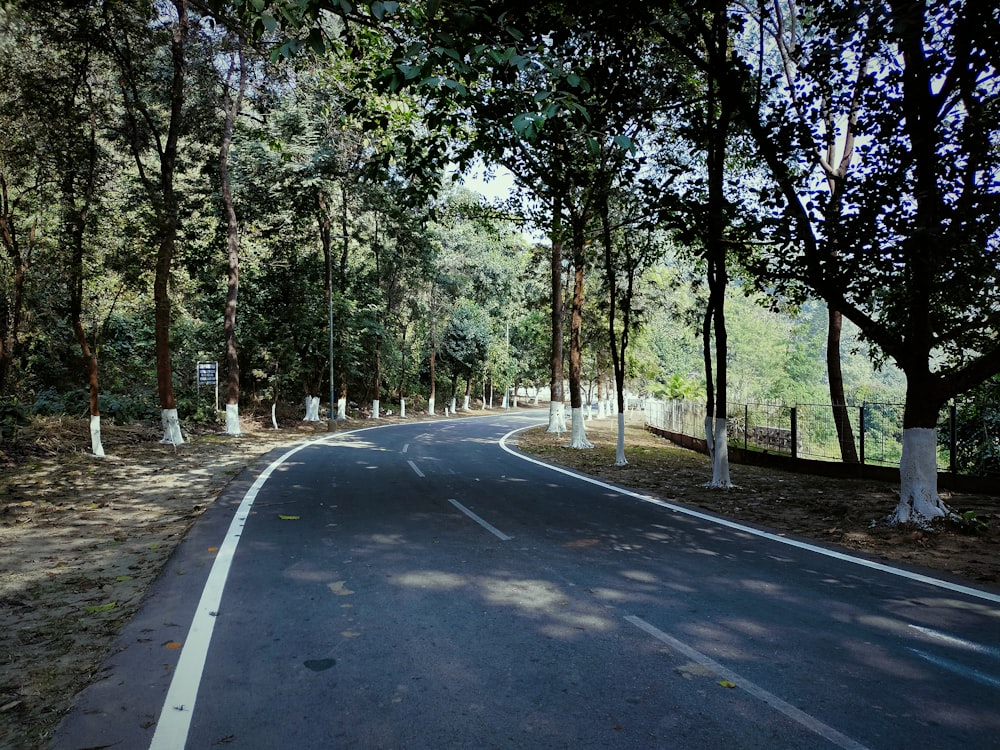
[[779, 201]]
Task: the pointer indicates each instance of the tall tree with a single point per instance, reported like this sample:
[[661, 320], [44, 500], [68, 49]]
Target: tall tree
[[232, 103], [827, 124], [702, 208], [147, 131], [919, 227]]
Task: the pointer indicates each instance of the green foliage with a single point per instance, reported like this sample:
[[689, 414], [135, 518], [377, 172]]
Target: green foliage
[[977, 433], [13, 414], [119, 408]]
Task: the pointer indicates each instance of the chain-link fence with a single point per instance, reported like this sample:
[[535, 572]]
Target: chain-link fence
[[873, 431]]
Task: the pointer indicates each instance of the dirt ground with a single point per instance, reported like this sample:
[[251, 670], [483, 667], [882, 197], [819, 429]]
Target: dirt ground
[[81, 538]]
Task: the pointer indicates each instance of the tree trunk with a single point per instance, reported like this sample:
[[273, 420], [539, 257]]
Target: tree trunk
[[342, 289], [433, 373], [377, 378], [232, 110], [718, 106], [169, 219], [578, 435], [617, 351], [557, 413], [75, 220], [841, 417], [919, 501], [12, 307]]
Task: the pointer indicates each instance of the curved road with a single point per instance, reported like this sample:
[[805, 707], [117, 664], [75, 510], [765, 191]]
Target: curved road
[[423, 586]]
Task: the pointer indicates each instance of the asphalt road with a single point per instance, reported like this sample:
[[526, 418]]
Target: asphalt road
[[421, 586]]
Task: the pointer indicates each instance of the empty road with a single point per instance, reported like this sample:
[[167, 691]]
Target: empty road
[[423, 586]]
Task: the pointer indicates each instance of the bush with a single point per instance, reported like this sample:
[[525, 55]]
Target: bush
[[119, 408], [13, 414]]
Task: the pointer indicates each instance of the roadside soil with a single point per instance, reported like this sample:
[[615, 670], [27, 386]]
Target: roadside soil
[[81, 538]]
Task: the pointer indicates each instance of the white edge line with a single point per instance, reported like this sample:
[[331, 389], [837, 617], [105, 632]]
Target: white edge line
[[485, 524], [178, 707], [415, 469], [795, 714], [956, 587], [174, 722]]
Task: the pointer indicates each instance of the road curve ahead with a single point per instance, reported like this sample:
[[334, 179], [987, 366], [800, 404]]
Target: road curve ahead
[[421, 586]]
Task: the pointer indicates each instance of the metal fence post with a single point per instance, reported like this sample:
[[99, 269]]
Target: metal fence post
[[861, 434], [795, 433], [952, 437]]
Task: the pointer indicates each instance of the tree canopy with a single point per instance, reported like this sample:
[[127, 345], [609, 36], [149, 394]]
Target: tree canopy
[[813, 155]]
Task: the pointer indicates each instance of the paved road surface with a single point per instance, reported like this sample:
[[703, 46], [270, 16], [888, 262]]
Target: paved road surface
[[419, 586]]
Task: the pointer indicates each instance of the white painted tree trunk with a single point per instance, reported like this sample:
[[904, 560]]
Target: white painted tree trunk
[[341, 408], [274, 417], [620, 459], [465, 402], [430, 406], [601, 409], [375, 409], [95, 436], [233, 419], [578, 434], [919, 501], [720, 457], [454, 403], [312, 409], [557, 417], [534, 399], [171, 427], [402, 408], [504, 404], [709, 437], [515, 401]]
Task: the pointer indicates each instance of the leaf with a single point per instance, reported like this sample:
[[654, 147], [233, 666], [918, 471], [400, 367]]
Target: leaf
[[289, 518], [624, 143], [98, 608], [172, 645], [727, 684]]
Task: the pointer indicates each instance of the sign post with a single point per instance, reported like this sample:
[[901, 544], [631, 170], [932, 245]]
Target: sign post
[[208, 374]]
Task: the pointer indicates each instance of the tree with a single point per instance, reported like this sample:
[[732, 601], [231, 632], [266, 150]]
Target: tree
[[231, 106], [622, 269], [146, 131], [704, 216], [919, 223]]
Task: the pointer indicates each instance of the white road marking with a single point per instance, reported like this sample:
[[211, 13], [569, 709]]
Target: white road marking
[[174, 722], [175, 717], [809, 722], [485, 524], [415, 469], [882, 567], [962, 643], [960, 669], [406, 447]]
